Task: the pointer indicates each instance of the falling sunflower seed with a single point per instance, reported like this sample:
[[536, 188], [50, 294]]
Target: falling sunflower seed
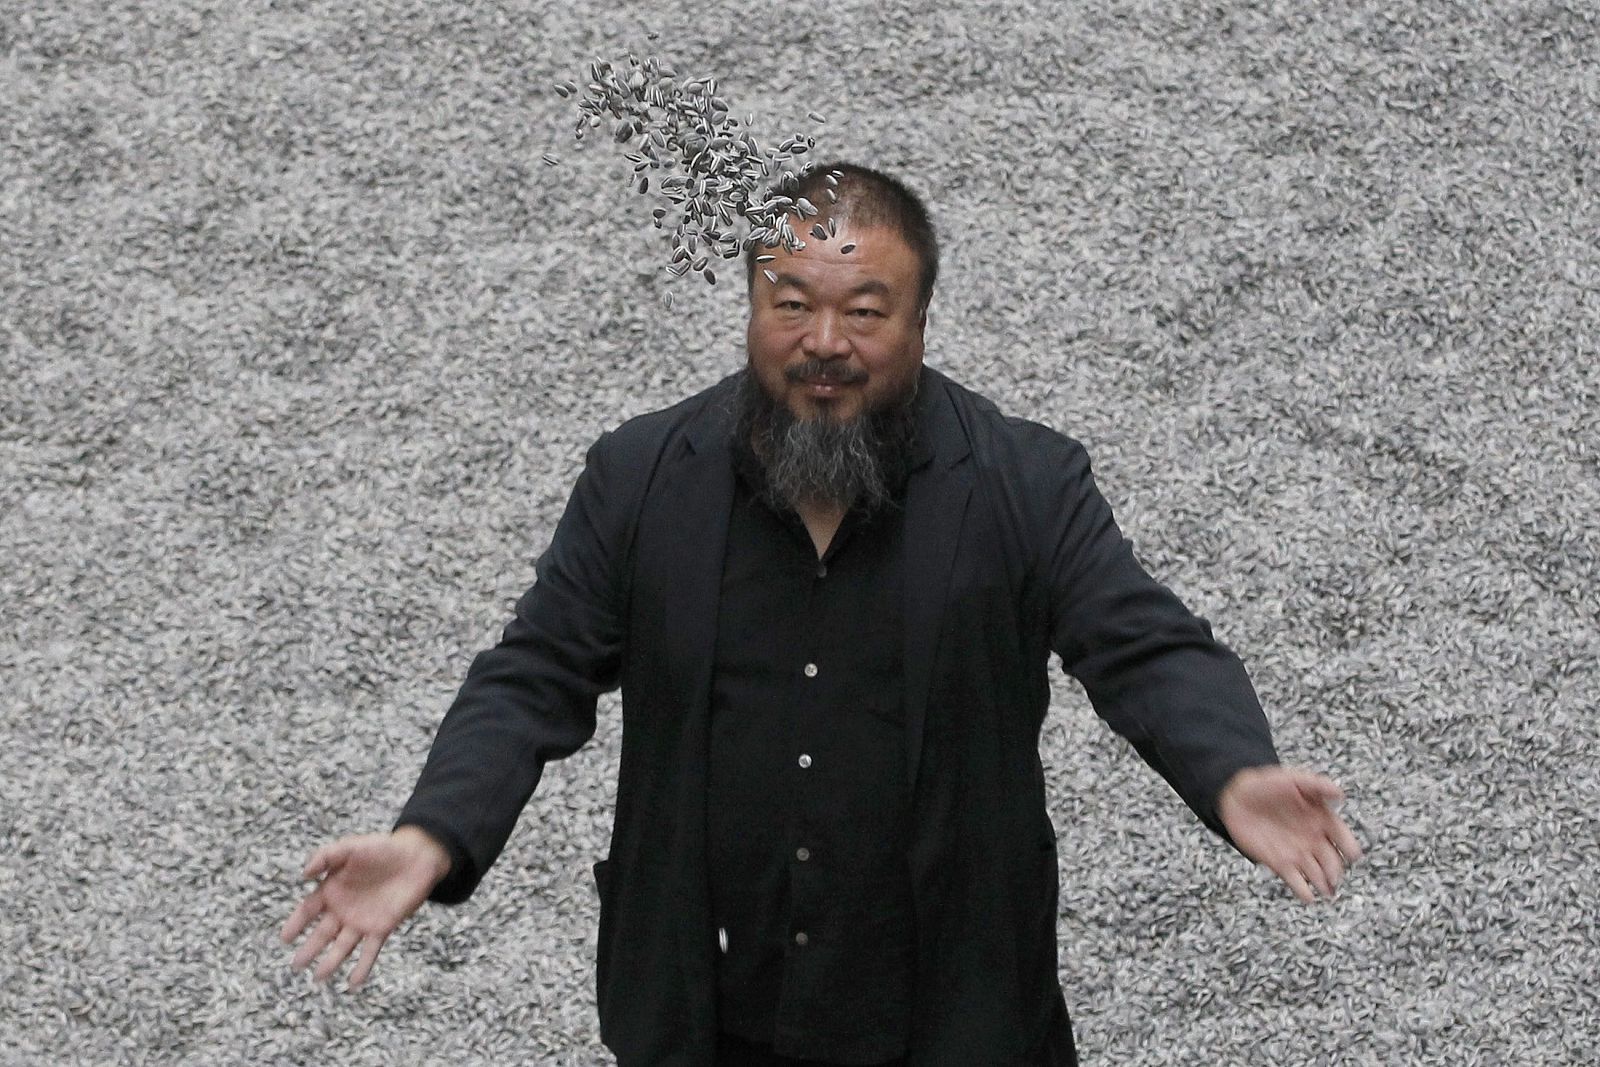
[[814, 117], [551, 158]]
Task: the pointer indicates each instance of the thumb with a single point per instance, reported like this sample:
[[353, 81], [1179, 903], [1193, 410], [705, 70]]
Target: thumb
[[1318, 787], [325, 859]]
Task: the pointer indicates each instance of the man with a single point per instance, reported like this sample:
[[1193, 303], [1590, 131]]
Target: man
[[829, 587]]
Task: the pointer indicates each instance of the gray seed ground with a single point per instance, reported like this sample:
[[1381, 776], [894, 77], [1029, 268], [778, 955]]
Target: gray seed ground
[[302, 344]]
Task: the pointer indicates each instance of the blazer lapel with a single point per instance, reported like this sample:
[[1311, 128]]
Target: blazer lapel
[[694, 534], [936, 503]]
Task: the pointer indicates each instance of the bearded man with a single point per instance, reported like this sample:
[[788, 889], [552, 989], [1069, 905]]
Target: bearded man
[[829, 587]]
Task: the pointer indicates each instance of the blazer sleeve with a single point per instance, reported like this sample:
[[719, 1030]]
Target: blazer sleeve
[[531, 698], [1151, 669]]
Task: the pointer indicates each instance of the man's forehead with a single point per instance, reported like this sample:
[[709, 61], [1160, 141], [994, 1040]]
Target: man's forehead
[[872, 258]]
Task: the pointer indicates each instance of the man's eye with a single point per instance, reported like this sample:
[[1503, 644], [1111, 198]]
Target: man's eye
[[866, 312], [790, 304]]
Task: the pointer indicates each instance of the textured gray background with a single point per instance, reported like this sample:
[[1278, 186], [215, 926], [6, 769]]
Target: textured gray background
[[301, 346]]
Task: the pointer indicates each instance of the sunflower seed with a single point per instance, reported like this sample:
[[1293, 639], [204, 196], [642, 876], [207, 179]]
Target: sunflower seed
[[699, 264], [710, 277], [562, 91], [819, 231], [833, 197], [848, 248], [814, 117], [551, 158], [833, 226], [765, 259], [771, 277]]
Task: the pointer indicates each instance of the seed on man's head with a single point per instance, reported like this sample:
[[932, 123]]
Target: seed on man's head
[[833, 197], [819, 231], [848, 248], [765, 259], [771, 277], [833, 226]]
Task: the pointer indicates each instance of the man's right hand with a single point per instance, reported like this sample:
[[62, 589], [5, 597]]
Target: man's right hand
[[367, 886]]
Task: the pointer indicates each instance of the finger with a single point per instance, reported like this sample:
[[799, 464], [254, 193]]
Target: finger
[[1323, 877], [1332, 865], [369, 956], [348, 939], [309, 909], [1296, 880], [320, 938], [1345, 841]]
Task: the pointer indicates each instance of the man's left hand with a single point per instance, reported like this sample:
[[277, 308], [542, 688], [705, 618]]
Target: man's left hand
[[1285, 819]]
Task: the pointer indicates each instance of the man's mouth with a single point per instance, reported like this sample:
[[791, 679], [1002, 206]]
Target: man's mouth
[[826, 376]]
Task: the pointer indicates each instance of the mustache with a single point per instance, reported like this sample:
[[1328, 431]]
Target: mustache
[[833, 372]]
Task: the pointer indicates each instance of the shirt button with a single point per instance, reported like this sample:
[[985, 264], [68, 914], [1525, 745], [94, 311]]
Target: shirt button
[[822, 570], [801, 938], [811, 670], [805, 760], [802, 854], [722, 938]]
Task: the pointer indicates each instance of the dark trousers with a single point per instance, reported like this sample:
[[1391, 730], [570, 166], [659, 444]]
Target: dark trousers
[[737, 1052], [1059, 1050]]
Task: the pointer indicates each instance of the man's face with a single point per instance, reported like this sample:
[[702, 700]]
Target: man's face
[[852, 318]]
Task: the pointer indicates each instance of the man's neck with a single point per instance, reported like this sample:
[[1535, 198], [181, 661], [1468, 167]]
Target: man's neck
[[822, 522]]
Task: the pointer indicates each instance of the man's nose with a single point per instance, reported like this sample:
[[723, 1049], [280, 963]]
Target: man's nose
[[827, 338]]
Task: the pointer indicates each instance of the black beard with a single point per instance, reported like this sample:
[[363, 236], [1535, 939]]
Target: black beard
[[823, 461]]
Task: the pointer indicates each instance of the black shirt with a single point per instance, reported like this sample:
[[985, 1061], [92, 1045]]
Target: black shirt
[[808, 805]]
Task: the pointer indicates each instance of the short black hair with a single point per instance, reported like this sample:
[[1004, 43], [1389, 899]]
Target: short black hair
[[870, 198]]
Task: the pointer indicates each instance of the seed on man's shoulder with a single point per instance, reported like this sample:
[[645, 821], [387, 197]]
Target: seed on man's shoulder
[[848, 248]]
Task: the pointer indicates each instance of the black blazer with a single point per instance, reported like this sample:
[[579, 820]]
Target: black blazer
[[1011, 554]]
